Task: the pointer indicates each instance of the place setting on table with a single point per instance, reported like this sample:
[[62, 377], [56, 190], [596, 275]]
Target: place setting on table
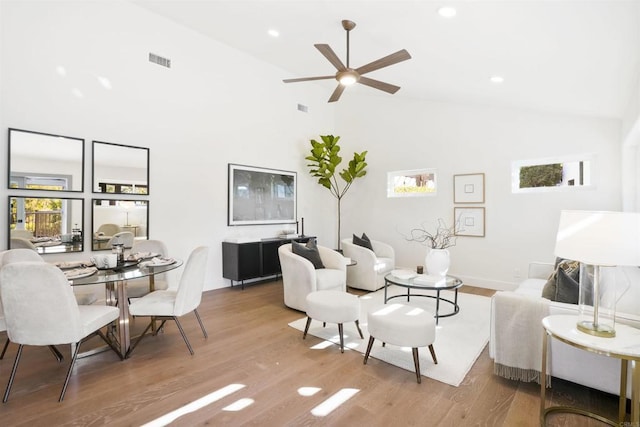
[[86, 268]]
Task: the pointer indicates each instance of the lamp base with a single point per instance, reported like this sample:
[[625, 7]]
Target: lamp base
[[603, 331]]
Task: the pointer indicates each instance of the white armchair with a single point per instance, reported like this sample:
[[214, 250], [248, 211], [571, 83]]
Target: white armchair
[[300, 278], [371, 266]]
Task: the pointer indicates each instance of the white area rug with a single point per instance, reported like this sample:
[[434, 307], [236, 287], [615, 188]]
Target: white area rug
[[459, 339]]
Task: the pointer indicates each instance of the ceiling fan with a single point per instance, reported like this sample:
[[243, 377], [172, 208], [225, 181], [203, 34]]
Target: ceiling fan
[[347, 76]]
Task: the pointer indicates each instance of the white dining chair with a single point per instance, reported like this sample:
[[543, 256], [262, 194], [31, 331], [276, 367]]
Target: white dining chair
[[40, 309], [171, 304], [9, 257], [137, 288], [83, 296], [21, 243]]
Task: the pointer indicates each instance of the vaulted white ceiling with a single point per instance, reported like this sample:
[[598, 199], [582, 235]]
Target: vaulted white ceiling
[[570, 56]]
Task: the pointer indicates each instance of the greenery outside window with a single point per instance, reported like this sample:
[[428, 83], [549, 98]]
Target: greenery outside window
[[552, 174]]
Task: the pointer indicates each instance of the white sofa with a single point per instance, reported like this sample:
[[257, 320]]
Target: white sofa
[[521, 312], [300, 278], [371, 266]]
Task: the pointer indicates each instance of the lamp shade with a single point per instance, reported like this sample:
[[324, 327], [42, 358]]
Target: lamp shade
[[599, 238]]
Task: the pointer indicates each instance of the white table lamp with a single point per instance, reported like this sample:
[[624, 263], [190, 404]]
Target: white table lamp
[[601, 240]]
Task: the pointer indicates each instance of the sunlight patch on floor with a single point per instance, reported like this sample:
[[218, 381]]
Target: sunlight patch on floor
[[333, 402], [239, 405], [308, 391], [195, 405]]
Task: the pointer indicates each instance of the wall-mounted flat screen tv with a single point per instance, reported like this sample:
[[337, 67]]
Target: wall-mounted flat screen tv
[[261, 196]]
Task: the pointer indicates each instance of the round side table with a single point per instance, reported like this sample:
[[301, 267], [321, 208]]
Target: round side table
[[624, 346]]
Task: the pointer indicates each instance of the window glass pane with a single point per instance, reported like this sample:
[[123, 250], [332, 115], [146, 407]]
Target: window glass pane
[[552, 174], [411, 183]]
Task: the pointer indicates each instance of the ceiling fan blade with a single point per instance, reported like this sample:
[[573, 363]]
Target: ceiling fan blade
[[305, 79], [336, 93], [328, 53], [394, 58], [377, 84]]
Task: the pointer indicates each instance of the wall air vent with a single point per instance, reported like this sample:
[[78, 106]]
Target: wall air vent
[[303, 108], [157, 59]]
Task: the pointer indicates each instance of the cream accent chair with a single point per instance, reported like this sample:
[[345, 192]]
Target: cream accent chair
[[40, 309], [171, 304], [137, 288], [299, 278], [371, 266], [108, 230]]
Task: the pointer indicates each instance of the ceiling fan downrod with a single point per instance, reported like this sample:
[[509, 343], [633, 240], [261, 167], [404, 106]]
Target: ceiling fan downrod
[[348, 26]]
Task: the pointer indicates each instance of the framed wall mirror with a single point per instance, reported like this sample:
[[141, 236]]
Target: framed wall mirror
[[120, 169], [41, 161], [46, 224], [118, 221]]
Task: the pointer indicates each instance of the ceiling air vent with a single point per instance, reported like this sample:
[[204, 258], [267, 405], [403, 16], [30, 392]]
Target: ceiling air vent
[[157, 59], [303, 108]]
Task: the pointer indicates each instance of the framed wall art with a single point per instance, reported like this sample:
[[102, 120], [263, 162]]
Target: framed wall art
[[261, 196], [468, 188], [469, 221]]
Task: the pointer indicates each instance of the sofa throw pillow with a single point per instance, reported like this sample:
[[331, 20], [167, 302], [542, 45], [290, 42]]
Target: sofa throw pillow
[[308, 251], [567, 286], [549, 289], [564, 283], [361, 241]]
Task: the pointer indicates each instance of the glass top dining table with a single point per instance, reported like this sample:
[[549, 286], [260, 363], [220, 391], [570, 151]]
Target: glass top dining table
[[115, 281]]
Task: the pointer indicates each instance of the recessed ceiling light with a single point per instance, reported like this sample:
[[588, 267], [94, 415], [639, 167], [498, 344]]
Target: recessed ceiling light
[[273, 33], [447, 12], [496, 79]]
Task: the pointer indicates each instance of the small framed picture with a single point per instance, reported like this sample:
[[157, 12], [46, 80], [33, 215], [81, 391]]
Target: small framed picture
[[469, 221], [468, 188]]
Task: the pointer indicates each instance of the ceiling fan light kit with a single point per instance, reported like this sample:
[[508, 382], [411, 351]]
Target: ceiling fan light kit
[[347, 76]]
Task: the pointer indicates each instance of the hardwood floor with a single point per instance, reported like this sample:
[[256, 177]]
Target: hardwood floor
[[251, 345]]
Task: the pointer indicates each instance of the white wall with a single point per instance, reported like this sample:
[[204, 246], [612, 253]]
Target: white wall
[[631, 152], [457, 139], [213, 107], [217, 106]]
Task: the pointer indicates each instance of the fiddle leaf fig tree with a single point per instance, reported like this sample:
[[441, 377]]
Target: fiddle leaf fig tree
[[324, 161]]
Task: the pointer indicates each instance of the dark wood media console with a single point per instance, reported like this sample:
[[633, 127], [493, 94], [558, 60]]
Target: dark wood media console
[[253, 260]]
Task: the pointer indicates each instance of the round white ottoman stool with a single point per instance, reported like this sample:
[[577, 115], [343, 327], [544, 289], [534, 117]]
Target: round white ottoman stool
[[402, 325], [333, 307]]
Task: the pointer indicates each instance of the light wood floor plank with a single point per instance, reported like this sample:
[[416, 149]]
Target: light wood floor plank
[[250, 344]]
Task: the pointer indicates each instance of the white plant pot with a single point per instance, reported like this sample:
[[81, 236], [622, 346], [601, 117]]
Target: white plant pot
[[437, 262]]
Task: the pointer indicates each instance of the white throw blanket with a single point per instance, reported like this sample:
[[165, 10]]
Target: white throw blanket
[[518, 339]]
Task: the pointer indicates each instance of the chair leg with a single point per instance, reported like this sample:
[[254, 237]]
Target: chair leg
[[416, 362], [56, 353], [433, 354], [366, 355], [359, 331], [306, 328], [73, 362], [135, 343], [13, 374], [4, 349], [159, 328], [184, 336], [204, 331], [341, 333]]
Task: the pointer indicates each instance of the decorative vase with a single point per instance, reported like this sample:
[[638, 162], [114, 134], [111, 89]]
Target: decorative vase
[[437, 262]]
